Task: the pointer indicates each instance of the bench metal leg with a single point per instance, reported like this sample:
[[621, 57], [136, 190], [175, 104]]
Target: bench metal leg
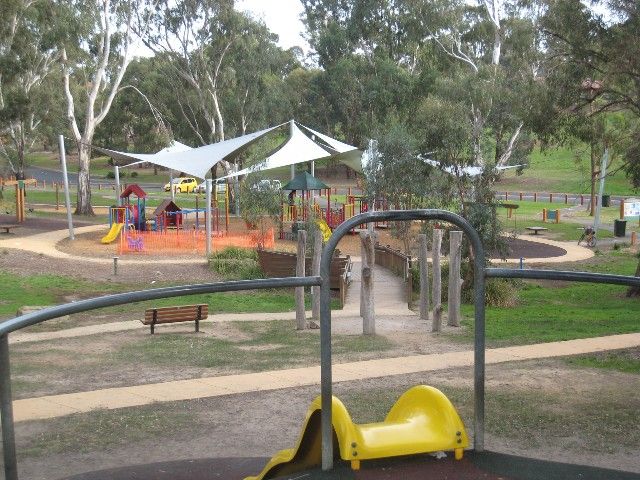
[[153, 321]]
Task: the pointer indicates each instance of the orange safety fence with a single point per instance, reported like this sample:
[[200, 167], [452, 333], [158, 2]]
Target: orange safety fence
[[190, 241]]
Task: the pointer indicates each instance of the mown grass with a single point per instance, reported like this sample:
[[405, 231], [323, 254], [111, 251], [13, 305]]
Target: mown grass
[[106, 429], [556, 311], [268, 346], [627, 361], [529, 214], [48, 290], [562, 170], [44, 290]]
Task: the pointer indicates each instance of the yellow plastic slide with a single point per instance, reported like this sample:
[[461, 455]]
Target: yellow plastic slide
[[324, 229], [113, 233], [423, 420]]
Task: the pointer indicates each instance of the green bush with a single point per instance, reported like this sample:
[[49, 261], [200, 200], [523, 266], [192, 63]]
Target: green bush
[[499, 292], [134, 174], [235, 263], [235, 253]]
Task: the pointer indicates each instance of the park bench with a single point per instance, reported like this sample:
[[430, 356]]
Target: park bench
[[535, 230], [8, 228], [183, 313]]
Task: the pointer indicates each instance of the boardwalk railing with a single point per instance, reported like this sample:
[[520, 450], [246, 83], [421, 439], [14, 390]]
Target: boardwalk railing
[[399, 263]]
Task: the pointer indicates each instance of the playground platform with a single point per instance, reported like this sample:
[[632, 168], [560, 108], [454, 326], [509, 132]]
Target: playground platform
[[474, 466]]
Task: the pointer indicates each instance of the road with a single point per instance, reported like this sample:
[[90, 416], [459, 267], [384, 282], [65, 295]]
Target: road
[[54, 176]]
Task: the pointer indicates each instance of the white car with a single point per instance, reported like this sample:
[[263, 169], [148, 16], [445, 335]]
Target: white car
[[267, 185], [219, 187]]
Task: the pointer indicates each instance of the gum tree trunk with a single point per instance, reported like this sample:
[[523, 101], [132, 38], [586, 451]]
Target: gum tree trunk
[[84, 186]]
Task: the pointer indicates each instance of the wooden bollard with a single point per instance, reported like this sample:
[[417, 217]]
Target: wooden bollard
[[349, 191], [622, 209], [455, 282], [424, 277], [520, 196], [581, 199], [535, 196], [551, 198], [506, 195], [544, 214], [57, 197], [557, 216], [634, 238], [566, 199]]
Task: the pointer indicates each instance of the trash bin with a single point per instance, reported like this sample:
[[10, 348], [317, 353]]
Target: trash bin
[[606, 201], [619, 228]]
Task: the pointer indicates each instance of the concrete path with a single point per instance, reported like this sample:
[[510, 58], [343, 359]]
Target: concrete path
[[345, 322], [113, 398], [389, 292]]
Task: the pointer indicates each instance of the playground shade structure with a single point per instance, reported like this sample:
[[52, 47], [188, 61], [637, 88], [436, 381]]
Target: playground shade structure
[[298, 148], [422, 420]]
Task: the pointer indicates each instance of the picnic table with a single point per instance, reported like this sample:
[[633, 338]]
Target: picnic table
[[535, 230]]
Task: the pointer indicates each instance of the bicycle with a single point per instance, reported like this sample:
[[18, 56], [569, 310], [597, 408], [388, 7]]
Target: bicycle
[[588, 236]]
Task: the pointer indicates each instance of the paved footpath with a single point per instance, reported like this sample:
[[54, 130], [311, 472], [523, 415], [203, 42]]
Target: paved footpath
[[113, 398]]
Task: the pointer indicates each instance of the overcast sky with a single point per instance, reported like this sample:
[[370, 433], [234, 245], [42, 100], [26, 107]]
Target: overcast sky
[[281, 16]]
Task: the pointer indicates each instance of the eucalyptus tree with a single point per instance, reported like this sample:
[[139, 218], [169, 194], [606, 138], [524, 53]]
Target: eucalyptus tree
[[95, 53], [27, 59], [593, 66]]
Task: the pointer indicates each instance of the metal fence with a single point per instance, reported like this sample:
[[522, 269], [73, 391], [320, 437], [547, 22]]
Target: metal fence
[[481, 272]]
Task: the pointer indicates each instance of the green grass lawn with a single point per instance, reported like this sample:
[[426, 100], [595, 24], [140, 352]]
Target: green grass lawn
[[563, 310], [622, 361], [529, 214], [562, 170], [48, 290]]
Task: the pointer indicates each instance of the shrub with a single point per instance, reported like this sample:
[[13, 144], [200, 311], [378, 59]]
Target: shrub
[[499, 292], [134, 174], [235, 263], [235, 253], [110, 174]]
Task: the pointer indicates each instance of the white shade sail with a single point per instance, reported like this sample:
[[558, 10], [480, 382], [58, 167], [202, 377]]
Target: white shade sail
[[299, 148], [196, 161]]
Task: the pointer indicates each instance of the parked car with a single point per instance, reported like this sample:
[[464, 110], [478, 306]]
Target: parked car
[[182, 185], [267, 184], [219, 187]]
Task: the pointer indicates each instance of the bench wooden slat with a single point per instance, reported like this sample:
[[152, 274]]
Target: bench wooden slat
[[182, 313]]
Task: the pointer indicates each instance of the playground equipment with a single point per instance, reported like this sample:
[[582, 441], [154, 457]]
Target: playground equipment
[[113, 233], [324, 230], [482, 273], [127, 215], [20, 195], [167, 215], [137, 216], [422, 420]]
